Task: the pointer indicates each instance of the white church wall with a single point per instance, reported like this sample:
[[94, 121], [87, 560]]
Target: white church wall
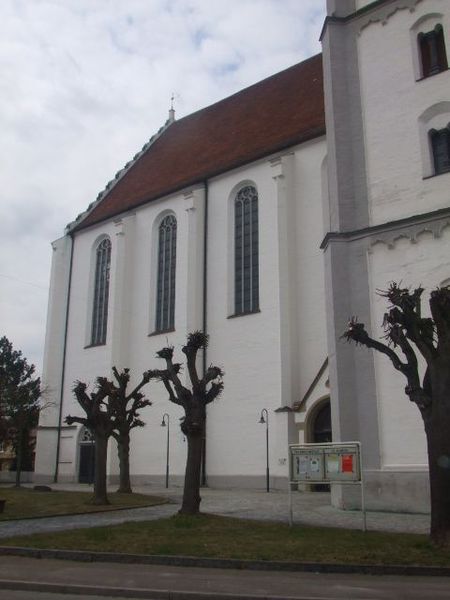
[[394, 104], [82, 362], [250, 347], [54, 341], [45, 462], [148, 443], [46, 442], [425, 263], [246, 346], [131, 300]]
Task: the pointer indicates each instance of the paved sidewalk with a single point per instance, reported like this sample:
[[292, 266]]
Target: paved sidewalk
[[309, 508]]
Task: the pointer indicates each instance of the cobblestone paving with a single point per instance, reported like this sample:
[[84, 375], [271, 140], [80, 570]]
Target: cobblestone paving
[[308, 508]]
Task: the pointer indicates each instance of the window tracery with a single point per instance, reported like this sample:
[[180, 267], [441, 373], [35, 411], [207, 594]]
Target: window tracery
[[101, 293], [165, 290], [246, 258]]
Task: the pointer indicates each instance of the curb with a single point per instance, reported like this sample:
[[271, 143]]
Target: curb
[[227, 563]]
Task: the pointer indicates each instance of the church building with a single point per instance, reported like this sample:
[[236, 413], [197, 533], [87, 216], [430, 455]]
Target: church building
[[267, 220]]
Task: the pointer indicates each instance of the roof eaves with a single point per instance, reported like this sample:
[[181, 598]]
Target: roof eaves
[[118, 176]]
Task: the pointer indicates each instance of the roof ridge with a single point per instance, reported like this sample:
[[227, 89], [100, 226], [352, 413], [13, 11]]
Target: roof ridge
[[117, 177]]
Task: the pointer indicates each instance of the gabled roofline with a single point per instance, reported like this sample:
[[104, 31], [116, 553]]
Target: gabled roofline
[[118, 176], [214, 170]]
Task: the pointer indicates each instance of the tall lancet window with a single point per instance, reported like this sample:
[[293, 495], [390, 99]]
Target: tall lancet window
[[165, 293], [246, 274], [101, 293]]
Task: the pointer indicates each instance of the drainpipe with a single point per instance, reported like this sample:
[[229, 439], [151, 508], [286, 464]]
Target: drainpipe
[[205, 316], [63, 370]]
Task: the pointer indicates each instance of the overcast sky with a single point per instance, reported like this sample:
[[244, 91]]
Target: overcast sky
[[85, 83]]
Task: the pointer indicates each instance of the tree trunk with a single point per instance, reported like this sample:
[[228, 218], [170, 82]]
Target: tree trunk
[[437, 429], [191, 493], [19, 454], [101, 454], [123, 450]]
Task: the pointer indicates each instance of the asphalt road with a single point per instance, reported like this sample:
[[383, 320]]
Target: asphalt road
[[183, 583]]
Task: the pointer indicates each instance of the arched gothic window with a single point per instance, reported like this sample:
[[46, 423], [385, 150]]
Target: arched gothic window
[[101, 293], [246, 273], [440, 145], [165, 293]]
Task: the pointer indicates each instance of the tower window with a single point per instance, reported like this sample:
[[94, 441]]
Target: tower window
[[440, 146], [432, 51]]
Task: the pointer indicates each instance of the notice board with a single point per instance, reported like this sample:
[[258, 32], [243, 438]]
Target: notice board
[[327, 463]]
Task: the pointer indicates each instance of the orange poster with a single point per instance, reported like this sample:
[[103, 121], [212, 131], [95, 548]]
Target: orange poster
[[347, 463]]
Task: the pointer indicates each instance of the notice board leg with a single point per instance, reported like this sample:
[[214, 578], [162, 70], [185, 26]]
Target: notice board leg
[[291, 519], [363, 501], [363, 507]]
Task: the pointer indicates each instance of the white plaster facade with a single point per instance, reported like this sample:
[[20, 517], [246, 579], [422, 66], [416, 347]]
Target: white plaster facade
[[339, 218], [255, 374]]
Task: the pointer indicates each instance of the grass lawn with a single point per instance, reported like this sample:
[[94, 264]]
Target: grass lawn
[[221, 537], [25, 502]]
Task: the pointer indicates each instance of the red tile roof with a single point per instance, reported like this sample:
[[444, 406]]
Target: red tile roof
[[276, 113]]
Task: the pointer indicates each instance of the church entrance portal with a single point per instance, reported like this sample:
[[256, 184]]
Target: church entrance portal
[[321, 433], [86, 469], [321, 426]]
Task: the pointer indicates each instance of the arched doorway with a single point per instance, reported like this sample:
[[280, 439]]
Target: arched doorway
[[320, 433], [86, 468], [321, 425]]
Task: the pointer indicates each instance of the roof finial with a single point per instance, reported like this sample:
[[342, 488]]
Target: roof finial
[[172, 110]]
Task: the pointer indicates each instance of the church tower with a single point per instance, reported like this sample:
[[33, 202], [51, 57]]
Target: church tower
[[387, 105]]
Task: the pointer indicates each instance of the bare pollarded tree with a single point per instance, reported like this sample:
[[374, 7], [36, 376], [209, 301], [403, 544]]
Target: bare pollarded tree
[[111, 411], [126, 408], [406, 329], [100, 421], [202, 391]]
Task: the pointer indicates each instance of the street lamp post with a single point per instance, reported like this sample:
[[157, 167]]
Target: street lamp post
[[164, 424], [265, 419]]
